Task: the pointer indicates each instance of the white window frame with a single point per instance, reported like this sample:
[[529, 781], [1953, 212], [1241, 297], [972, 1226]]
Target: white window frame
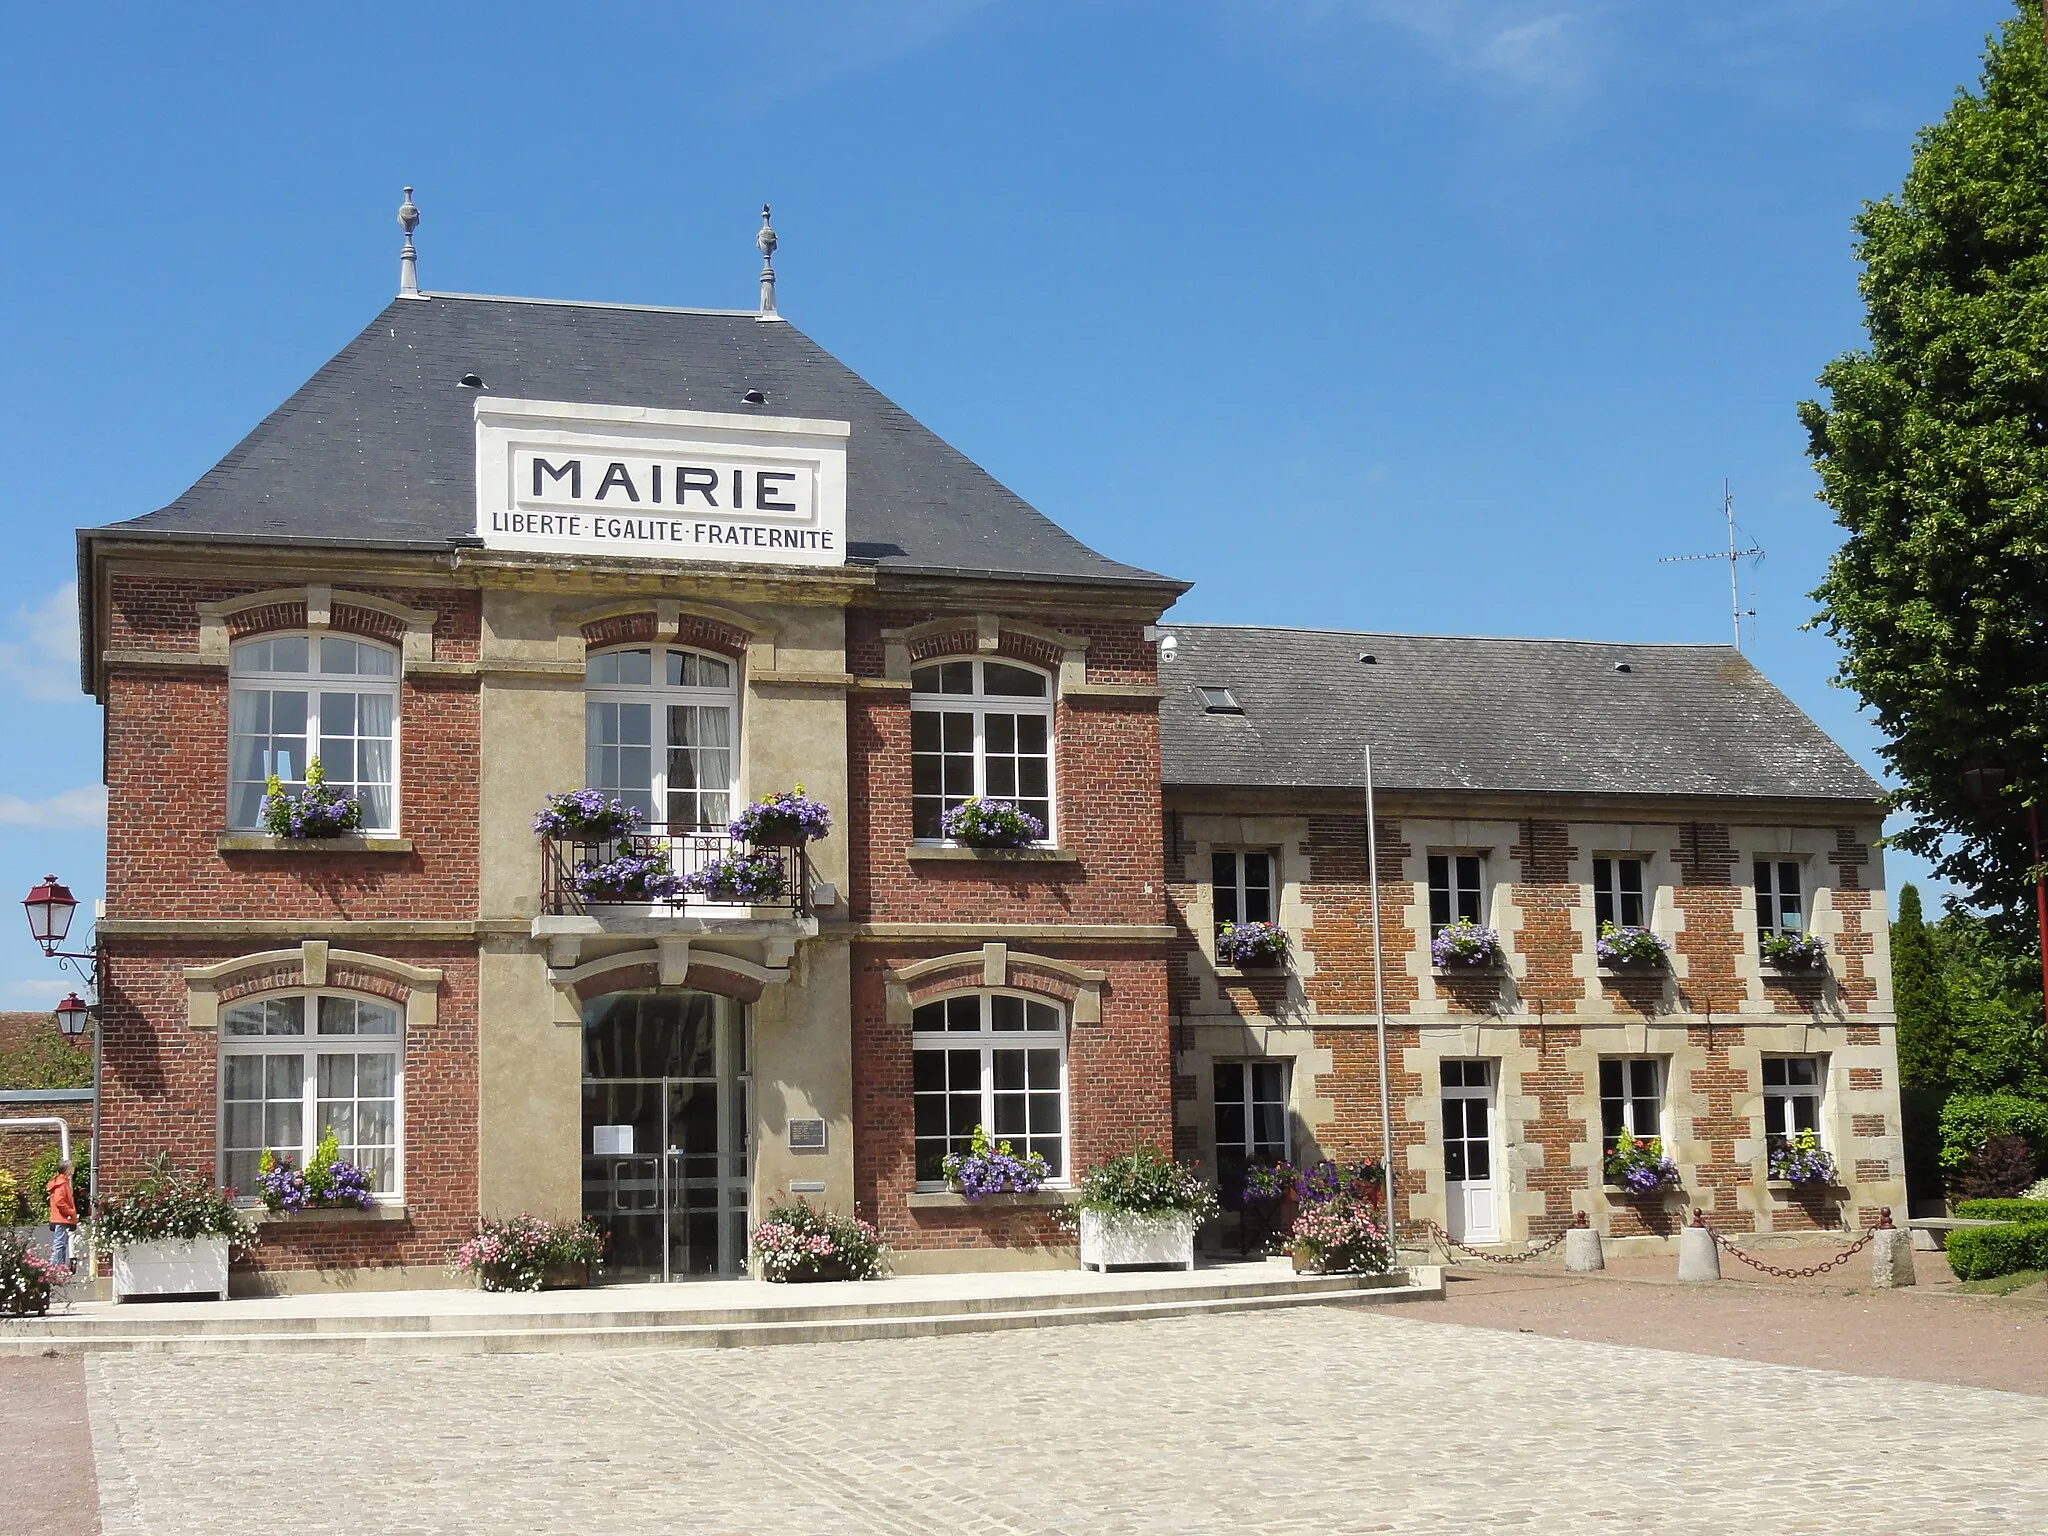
[[1782, 1094], [244, 679], [657, 695], [1454, 889], [1629, 1098], [1610, 890], [989, 1040], [1247, 1104], [980, 704], [1240, 887], [310, 1046], [1769, 891]]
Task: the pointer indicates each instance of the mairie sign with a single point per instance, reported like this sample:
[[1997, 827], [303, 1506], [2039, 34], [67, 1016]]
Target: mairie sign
[[564, 478]]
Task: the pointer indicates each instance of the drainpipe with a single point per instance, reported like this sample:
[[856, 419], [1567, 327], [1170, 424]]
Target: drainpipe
[[55, 1123], [1379, 998]]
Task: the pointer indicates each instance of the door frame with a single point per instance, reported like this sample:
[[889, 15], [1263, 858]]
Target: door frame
[[1489, 1094]]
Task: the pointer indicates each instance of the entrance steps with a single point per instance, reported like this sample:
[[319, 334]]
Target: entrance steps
[[701, 1315]]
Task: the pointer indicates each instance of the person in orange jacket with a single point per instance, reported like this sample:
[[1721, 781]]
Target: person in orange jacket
[[63, 1214]]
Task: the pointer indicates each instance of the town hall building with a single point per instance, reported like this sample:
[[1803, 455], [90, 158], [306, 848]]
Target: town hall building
[[499, 549]]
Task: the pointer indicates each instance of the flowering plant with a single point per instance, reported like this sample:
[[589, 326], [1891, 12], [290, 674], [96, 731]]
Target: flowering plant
[[1326, 1182], [1641, 1166], [316, 811], [749, 879], [166, 1206], [516, 1255], [26, 1279], [1341, 1238], [1793, 951], [329, 1181], [1268, 1182], [1251, 943], [1622, 947], [788, 815], [990, 1167], [629, 877], [1146, 1182], [983, 823], [1798, 1159], [794, 1242], [586, 816], [1464, 944]]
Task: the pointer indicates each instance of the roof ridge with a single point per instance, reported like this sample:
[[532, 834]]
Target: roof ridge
[[1409, 634], [657, 309]]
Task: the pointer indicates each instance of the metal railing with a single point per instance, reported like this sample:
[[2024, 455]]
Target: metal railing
[[685, 852]]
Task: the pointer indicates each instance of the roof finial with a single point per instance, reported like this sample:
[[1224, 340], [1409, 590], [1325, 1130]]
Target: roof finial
[[408, 259], [765, 243]]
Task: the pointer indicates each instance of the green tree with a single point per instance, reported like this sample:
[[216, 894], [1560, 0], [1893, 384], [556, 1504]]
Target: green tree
[[1992, 1011], [1920, 996], [1933, 452]]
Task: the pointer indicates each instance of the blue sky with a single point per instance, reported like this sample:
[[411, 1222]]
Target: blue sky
[[1438, 315]]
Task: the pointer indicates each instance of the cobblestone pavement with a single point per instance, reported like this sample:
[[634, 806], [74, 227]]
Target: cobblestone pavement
[[1315, 1421]]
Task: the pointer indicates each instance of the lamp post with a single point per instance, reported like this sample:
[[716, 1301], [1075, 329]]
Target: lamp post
[[50, 907], [1982, 785]]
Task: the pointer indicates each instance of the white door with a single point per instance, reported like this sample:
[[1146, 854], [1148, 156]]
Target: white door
[[1470, 1191]]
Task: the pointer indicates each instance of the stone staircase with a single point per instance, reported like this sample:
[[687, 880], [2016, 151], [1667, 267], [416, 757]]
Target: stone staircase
[[413, 1324]]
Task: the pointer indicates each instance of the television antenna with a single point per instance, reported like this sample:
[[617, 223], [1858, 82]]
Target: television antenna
[[1733, 555]]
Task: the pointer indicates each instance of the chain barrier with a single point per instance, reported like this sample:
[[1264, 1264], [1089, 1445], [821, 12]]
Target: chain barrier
[[1449, 1242], [1807, 1273]]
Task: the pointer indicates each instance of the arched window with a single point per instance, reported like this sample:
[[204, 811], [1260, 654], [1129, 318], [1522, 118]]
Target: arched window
[[296, 697], [997, 1059], [658, 733], [979, 728], [295, 1065]]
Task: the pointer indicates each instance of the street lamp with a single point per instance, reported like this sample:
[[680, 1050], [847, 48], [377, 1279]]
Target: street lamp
[[49, 907], [72, 1015]]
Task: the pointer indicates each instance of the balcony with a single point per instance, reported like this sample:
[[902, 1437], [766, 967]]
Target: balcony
[[686, 853]]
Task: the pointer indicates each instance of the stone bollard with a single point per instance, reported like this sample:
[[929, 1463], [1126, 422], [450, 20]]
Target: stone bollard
[[1699, 1261], [1582, 1247], [1891, 1255]]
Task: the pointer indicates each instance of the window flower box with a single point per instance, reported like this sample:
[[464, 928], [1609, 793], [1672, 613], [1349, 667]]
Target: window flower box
[[1463, 947], [990, 1167], [629, 877], [586, 816], [1640, 1167], [1252, 946], [317, 811], [786, 819], [982, 823], [1799, 1161], [740, 879], [1796, 955], [1630, 951]]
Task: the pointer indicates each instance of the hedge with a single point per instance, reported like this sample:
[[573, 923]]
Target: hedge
[[1982, 1253], [2003, 1210]]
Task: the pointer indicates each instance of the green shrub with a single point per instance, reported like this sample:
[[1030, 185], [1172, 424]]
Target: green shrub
[[2004, 1210], [1968, 1120], [1983, 1253]]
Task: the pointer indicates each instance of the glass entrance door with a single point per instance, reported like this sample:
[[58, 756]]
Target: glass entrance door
[[667, 1115]]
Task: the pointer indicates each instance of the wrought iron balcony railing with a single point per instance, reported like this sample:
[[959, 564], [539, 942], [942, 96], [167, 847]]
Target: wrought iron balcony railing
[[568, 887]]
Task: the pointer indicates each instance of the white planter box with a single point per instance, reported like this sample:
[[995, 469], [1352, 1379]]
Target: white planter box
[[193, 1266], [1110, 1239]]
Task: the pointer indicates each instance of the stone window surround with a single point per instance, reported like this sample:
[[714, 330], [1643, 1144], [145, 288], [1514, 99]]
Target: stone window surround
[[670, 961], [1076, 988], [1308, 1064], [317, 607], [1063, 655], [314, 964], [1202, 835]]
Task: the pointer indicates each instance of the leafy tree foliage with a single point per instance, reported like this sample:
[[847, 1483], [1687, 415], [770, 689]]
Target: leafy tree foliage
[[1920, 996], [45, 1059], [1933, 453]]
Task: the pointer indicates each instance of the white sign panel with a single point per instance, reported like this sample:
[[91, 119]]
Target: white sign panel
[[561, 478]]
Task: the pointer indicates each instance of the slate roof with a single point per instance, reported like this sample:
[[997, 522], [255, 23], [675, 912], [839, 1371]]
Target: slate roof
[[1456, 713], [378, 448]]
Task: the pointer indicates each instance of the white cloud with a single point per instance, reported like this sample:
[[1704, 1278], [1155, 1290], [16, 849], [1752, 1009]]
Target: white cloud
[[41, 989], [42, 660], [1535, 47], [85, 806]]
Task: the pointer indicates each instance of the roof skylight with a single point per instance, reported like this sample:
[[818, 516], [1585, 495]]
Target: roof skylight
[[1219, 701]]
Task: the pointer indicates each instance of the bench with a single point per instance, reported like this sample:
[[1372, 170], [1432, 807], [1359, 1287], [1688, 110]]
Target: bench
[[1930, 1233]]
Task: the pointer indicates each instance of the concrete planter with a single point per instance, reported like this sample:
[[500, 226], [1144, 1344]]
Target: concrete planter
[[189, 1267], [1114, 1239]]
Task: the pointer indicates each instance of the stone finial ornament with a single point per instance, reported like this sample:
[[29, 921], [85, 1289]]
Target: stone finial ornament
[[765, 243], [408, 258]]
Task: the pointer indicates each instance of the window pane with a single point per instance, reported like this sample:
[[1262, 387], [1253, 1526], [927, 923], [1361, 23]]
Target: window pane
[[929, 1016], [1041, 1016], [963, 1012], [1006, 1012], [1610, 1079], [1803, 1071], [1774, 1071], [1010, 682], [924, 679]]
